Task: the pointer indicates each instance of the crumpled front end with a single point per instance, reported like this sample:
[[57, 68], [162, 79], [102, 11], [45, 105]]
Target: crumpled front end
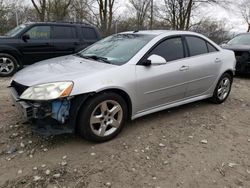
[[48, 117]]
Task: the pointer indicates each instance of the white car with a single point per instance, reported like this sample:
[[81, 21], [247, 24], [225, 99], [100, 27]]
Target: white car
[[127, 75]]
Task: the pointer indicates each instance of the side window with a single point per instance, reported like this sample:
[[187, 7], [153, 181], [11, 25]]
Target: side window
[[211, 48], [39, 32], [89, 33], [171, 49], [64, 32], [196, 46]]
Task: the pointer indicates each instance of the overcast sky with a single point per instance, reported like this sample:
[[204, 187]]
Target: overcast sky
[[233, 20], [230, 16]]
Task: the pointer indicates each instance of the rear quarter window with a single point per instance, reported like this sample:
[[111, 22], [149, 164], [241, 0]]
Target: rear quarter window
[[89, 33]]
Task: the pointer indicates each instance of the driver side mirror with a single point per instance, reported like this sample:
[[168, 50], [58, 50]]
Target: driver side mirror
[[25, 37], [155, 60]]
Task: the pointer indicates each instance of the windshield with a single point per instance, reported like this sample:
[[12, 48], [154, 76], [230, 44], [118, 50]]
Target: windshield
[[117, 49], [240, 40], [15, 31]]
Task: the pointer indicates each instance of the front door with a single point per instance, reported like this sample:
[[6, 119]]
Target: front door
[[158, 85], [39, 45]]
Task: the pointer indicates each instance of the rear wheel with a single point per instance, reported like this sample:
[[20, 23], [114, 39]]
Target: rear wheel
[[102, 117], [222, 89], [8, 65]]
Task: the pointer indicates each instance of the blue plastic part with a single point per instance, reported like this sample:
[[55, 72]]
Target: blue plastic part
[[60, 110]]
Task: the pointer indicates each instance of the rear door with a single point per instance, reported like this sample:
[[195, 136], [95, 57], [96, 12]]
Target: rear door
[[39, 46], [65, 40], [202, 67]]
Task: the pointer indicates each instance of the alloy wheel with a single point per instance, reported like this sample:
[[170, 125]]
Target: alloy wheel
[[224, 88], [106, 118], [6, 65]]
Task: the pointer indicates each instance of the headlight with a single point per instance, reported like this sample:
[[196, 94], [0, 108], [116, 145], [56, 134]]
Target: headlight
[[48, 91]]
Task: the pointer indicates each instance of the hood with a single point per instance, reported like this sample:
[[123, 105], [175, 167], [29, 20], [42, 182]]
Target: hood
[[66, 68], [237, 47]]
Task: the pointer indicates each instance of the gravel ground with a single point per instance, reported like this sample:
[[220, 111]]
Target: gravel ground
[[196, 145]]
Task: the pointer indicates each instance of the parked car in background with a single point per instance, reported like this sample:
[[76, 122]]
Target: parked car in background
[[33, 42], [240, 44], [123, 76]]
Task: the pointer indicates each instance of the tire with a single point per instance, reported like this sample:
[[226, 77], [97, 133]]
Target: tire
[[96, 122], [222, 89], [8, 65]]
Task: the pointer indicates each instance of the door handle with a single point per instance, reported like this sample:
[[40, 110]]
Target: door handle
[[184, 68], [217, 60]]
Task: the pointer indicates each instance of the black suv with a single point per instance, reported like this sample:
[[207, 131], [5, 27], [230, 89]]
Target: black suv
[[33, 42]]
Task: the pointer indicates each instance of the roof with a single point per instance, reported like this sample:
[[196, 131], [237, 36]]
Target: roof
[[60, 23], [159, 32]]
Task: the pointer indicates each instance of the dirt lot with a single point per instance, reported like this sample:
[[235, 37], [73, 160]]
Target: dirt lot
[[160, 150]]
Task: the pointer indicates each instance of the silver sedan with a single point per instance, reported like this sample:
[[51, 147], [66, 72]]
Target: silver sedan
[[124, 76]]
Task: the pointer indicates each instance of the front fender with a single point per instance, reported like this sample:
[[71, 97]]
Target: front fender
[[12, 51]]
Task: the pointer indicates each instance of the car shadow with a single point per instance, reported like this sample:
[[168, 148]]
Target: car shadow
[[131, 125], [243, 76]]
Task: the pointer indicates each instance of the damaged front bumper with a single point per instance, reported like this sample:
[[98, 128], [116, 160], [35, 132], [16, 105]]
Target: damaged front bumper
[[47, 117]]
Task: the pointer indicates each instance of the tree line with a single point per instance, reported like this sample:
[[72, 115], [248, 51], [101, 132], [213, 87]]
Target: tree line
[[110, 18]]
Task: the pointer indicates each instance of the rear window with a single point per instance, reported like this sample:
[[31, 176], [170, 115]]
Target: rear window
[[63, 32], [89, 33]]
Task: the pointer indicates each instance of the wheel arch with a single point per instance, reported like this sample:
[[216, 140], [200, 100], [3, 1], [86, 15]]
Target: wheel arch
[[124, 95], [13, 52], [230, 72], [79, 100]]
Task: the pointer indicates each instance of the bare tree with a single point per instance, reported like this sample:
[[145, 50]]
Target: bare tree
[[141, 7], [179, 12], [40, 6], [106, 11], [213, 29], [80, 9], [58, 10], [244, 8]]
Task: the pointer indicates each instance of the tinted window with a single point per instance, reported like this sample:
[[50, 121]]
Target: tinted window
[[88, 33], [39, 32], [63, 32], [170, 49], [211, 48], [196, 46]]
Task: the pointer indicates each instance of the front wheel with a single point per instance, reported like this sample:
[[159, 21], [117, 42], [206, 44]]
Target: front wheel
[[102, 117], [222, 89]]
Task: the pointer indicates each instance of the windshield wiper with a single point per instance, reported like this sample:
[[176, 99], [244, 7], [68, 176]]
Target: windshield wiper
[[94, 57]]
